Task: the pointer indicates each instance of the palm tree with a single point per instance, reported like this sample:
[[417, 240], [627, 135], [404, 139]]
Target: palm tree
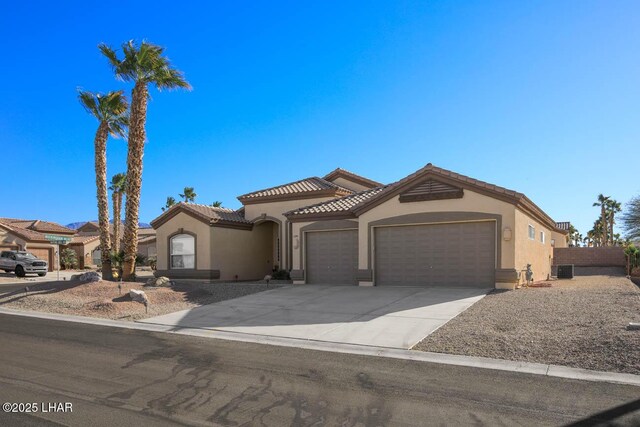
[[170, 202], [216, 204], [118, 187], [144, 65], [189, 195], [602, 202], [111, 111], [631, 219], [613, 207]]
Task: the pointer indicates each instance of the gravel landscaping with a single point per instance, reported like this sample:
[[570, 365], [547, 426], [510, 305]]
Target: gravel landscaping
[[104, 299], [579, 323]]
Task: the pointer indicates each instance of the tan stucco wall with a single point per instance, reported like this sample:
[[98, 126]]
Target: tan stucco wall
[[275, 210], [532, 252], [349, 184], [84, 253], [192, 225], [471, 202], [560, 239], [297, 243], [246, 254], [9, 238]]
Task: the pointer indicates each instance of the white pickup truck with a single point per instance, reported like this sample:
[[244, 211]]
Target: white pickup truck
[[21, 263]]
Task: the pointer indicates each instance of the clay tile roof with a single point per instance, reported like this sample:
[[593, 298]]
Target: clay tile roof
[[24, 233], [81, 240], [342, 204], [339, 172], [311, 187], [209, 214], [38, 225]]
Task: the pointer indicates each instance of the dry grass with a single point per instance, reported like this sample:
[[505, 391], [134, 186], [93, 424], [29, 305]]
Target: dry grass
[[103, 299], [579, 323]]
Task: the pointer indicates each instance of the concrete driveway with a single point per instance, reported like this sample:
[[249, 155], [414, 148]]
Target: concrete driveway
[[376, 316]]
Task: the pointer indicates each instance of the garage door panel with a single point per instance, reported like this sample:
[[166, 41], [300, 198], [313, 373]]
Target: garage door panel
[[332, 257], [458, 254]]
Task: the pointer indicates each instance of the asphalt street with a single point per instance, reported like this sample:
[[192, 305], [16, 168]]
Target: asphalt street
[[115, 376]]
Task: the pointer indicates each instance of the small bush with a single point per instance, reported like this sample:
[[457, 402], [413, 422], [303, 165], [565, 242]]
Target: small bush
[[68, 259], [280, 275]]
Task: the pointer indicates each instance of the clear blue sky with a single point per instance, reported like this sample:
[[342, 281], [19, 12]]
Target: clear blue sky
[[540, 97]]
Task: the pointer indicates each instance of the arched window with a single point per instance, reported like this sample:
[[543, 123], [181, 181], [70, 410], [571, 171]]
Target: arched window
[[183, 251]]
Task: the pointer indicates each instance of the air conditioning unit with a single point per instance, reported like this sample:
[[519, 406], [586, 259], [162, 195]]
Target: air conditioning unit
[[565, 271]]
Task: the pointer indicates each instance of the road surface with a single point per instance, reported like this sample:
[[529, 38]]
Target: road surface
[[114, 376]]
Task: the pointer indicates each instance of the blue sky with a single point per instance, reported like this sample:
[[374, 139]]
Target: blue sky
[[540, 97]]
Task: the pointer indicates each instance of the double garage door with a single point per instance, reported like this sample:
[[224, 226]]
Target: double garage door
[[454, 254]]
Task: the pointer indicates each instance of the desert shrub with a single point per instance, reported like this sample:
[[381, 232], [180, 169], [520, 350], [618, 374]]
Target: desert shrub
[[68, 259], [280, 275]]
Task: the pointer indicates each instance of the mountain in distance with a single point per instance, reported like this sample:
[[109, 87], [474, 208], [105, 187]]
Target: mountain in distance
[[76, 225]]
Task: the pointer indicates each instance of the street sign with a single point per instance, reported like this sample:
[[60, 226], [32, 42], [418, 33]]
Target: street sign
[[57, 240]]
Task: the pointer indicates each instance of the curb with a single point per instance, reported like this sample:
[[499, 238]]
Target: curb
[[363, 350]]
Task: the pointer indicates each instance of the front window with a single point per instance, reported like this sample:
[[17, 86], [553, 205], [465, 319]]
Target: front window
[[183, 251], [532, 232], [542, 236]]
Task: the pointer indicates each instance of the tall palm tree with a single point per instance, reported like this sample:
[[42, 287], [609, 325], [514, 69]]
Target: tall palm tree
[[111, 111], [118, 187], [143, 64], [170, 202], [613, 207], [631, 218], [602, 202], [216, 204], [189, 195]]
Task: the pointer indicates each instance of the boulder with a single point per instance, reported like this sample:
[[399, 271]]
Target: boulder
[[159, 282], [89, 276], [138, 296]]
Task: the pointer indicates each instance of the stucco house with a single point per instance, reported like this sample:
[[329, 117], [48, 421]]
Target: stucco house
[[31, 235], [433, 227], [86, 243]]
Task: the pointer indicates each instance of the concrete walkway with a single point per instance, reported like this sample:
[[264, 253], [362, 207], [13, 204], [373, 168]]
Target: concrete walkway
[[374, 316]]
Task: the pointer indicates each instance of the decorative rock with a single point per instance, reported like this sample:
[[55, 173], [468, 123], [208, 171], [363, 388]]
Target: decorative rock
[[633, 326], [89, 276], [159, 282], [138, 296]]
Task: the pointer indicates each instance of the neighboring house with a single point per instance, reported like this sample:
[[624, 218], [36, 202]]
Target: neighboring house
[[433, 227], [31, 236], [86, 243]]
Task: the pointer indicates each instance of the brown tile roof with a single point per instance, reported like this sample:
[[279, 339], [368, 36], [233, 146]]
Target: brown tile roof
[[83, 240], [344, 205], [26, 234], [208, 214], [305, 188], [38, 225], [339, 172], [510, 196], [355, 205]]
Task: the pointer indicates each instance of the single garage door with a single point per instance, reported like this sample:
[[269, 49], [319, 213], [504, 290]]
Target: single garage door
[[43, 254], [332, 257], [456, 254]]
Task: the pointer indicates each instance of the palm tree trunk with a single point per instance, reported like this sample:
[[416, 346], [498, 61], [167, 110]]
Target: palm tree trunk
[[137, 136], [604, 225], [103, 198], [115, 197]]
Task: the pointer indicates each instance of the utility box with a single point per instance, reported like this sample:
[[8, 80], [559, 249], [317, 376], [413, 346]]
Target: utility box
[[565, 271]]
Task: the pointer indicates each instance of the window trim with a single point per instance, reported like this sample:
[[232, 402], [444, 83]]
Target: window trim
[[532, 236], [195, 250], [543, 238]]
